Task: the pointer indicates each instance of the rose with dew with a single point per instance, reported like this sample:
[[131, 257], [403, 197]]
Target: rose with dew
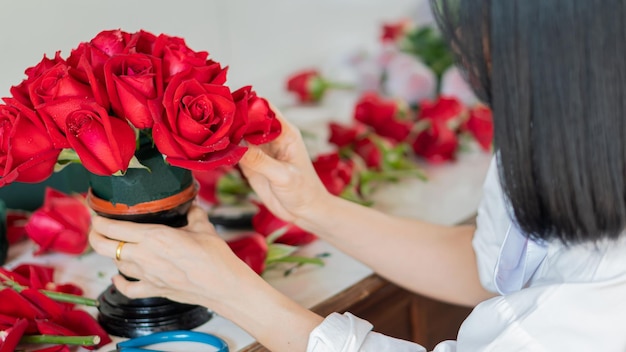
[[200, 129], [104, 144], [60, 225], [135, 88], [57, 93], [27, 154]]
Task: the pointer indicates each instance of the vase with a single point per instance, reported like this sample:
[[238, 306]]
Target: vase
[[161, 195]]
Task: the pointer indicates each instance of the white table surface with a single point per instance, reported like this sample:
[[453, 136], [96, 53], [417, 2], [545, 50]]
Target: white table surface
[[450, 195]]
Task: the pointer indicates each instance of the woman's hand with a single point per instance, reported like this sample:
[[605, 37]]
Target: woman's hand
[[189, 264], [193, 265], [282, 175]]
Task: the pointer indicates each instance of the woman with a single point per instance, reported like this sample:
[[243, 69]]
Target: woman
[[546, 264]]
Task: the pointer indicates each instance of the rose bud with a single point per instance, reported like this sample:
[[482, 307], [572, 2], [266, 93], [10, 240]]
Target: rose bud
[[393, 32], [56, 94], [105, 144], [266, 223], [135, 88], [307, 85], [60, 225], [252, 249]]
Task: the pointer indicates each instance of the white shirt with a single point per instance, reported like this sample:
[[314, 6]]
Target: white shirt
[[553, 298]]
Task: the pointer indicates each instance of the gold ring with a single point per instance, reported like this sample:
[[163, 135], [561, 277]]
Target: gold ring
[[118, 251]]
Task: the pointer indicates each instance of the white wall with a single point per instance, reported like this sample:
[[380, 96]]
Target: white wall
[[261, 41]]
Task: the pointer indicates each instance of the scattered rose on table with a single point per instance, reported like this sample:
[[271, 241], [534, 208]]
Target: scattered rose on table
[[60, 225], [266, 223], [34, 305]]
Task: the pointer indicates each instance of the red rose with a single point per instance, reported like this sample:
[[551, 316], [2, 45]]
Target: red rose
[[392, 32], [200, 130], [252, 249], [55, 94], [381, 114], [370, 152], [27, 153], [135, 88], [111, 42], [104, 144], [480, 125], [335, 173], [176, 55], [88, 67], [442, 109], [20, 92], [60, 225], [88, 60], [438, 143], [266, 223], [306, 85], [262, 125], [142, 42], [343, 136]]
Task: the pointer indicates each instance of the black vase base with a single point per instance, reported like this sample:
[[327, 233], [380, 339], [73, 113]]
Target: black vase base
[[125, 317]]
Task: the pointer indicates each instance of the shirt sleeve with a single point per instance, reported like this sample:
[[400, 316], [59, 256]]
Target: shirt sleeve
[[492, 223], [348, 333]]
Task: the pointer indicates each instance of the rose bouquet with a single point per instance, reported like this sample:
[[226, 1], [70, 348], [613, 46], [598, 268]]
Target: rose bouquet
[[122, 90]]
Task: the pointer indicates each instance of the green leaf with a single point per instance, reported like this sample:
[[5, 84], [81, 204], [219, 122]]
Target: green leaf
[[276, 251], [136, 164], [276, 234]]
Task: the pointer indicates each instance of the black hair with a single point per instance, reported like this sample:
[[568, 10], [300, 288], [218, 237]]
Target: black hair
[[554, 74]]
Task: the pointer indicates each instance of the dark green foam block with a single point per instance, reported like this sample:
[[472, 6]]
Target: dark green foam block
[[140, 185]]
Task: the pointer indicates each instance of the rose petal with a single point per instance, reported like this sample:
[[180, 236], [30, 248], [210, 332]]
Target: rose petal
[[13, 336]]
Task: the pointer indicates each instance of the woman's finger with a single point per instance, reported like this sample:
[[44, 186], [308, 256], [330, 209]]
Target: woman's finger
[[121, 230], [134, 289], [258, 161]]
